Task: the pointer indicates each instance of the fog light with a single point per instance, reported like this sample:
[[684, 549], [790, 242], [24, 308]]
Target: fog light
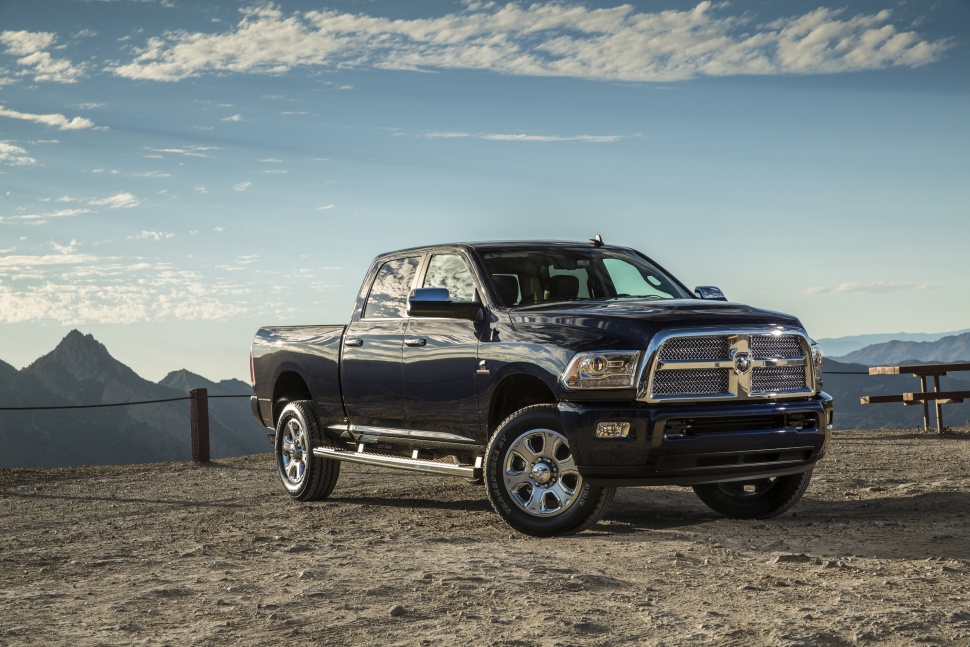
[[612, 429]]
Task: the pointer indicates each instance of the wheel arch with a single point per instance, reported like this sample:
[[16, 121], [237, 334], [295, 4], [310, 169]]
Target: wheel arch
[[289, 387], [514, 392]]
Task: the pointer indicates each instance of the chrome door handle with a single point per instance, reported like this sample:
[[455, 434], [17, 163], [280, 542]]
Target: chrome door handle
[[354, 342], [415, 342]]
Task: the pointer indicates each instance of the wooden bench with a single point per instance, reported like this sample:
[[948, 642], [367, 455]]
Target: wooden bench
[[924, 397]]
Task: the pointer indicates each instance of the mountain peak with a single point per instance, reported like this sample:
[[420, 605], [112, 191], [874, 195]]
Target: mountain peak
[[80, 357], [184, 380]]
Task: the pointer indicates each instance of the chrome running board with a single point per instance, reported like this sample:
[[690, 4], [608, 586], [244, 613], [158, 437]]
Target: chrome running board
[[401, 463]]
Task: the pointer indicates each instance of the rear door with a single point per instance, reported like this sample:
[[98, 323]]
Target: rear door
[[371, 375], [441, 359]]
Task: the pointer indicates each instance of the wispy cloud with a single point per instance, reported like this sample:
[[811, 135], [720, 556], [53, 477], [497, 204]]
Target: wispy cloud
[[233, 118], [188, 151], [35, 61], [517, 137], [58, 121], [116, 201], [877, 287], [544, 39], [24, 262], [13, 155], [242, 186], [153, 235], [77, 289]]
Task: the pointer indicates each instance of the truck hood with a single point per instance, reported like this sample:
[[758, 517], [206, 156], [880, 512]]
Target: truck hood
[[636, 321]]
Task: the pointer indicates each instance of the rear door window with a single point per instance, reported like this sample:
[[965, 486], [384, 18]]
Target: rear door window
[[388, 298]]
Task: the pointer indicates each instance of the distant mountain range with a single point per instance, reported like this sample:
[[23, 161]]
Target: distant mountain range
[[841, 346], [955, 348], [80, 371]]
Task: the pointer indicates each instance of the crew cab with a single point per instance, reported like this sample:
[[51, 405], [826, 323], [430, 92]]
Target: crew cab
[[553, 372]]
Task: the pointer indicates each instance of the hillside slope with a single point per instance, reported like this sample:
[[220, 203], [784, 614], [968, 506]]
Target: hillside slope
[[955, 348], [81, 371]]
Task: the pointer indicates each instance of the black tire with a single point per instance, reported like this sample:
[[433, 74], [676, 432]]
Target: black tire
[[758, 499], [305, 477], [552, 499]]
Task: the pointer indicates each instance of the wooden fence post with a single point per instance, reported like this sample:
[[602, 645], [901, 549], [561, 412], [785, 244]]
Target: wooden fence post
[[199, 420]]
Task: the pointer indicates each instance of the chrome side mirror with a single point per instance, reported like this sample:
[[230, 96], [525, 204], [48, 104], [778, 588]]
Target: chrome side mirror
[[709, 292], [434, 302]]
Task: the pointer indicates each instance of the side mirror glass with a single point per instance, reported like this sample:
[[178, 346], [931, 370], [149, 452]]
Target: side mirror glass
[[435, 302], [709, 292]]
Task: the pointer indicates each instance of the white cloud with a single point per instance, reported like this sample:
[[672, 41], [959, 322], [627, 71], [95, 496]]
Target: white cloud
[[233, 118], [242, 186], [190, 151], [38, 63], [517, 137], [117, 201], [57, 120], [65, 249], [326, 207], [877, 287], [12, 155], [201, 189], [13, 263], [153, 235], [88, 289], [21, 43], [543, 39], [42, 218]]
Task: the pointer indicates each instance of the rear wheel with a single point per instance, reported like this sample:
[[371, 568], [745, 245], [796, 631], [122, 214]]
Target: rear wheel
[[305, 477], [532, 478], [755, 499]]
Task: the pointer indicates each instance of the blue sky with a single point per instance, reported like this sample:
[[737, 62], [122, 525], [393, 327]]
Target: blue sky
[[175, 174]]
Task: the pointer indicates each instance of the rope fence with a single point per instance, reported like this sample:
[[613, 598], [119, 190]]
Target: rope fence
[[113, 404], [198, 416]]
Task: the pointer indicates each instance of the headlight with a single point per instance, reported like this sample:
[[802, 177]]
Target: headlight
[[608, 369], [818, 362]]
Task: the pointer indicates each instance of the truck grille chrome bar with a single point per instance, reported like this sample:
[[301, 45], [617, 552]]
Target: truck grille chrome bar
[[736, 364]]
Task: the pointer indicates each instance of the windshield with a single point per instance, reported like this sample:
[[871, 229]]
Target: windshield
[[528, 276]]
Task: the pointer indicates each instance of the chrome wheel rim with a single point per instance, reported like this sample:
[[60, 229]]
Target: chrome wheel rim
[[540, 473], [293, 452]]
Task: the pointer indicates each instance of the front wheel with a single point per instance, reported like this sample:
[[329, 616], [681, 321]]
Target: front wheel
[[532, 478], [756, 499], [305, 477]]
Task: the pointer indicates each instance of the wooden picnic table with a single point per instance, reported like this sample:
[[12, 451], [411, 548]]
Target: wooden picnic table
[[924, 397]]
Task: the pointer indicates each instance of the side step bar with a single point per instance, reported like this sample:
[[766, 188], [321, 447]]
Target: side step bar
[[399, 462]]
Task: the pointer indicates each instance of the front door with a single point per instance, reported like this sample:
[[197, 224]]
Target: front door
[[371, 374], [441, 360]]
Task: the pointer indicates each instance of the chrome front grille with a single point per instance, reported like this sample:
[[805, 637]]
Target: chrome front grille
[[777, 379], [687, 382], [702, 347], [727, 365], [776, 346]]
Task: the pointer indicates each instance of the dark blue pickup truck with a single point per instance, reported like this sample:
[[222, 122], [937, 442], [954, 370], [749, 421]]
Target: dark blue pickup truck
[[554, 372]]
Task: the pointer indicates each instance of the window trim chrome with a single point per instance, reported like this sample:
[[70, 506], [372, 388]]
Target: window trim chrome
[[740, 389]]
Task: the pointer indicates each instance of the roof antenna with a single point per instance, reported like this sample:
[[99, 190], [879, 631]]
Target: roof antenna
[[596, 242]]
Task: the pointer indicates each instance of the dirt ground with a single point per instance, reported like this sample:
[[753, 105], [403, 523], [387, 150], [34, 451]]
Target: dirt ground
[[177, 554]]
